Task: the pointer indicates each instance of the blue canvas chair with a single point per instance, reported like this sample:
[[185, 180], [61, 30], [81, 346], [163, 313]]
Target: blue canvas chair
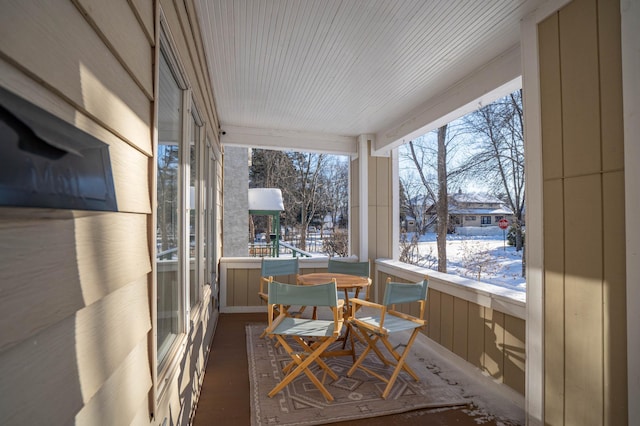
[[380, 321], [361, 269], [313, 336], [276, 268]]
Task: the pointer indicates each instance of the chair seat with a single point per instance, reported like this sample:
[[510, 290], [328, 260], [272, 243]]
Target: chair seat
[[305, 327], [392, 324]]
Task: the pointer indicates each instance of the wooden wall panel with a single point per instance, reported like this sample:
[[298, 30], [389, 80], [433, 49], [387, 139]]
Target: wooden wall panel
[[475, 344], [493, 362], [614, 300], [550, 95], [583, 299], [434, 324], [112, 251], [240, 288], [108, 331], [514, 353], [580, 83], [78, 355], [611, 85], [143, 10], [85, 71], [118, 401], [40, 383], [554, 301], [460, 327], [446, 321], [382, 233], [118, 26], [253, 285]]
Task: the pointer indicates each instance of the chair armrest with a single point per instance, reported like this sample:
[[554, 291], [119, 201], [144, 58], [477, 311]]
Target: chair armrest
[[362, 302]]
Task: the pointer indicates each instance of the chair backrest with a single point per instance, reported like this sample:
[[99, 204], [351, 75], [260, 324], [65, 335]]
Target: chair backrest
[[305, 295], [279, 267], [360, 269], [396, 293]]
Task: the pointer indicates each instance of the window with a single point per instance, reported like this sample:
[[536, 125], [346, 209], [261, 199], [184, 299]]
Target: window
[[195, 266], [469, 218], [180, 194], [168, 231], [485, 220]]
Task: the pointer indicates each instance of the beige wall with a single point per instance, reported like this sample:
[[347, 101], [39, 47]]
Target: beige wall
[[380, 217], [584, 235], [76, 340]]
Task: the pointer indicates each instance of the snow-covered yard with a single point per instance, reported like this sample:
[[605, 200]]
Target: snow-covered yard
[[486, 258]]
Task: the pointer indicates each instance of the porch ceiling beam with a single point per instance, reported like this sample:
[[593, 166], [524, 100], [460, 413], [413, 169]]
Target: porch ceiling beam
[[497, 78], [288, 140]]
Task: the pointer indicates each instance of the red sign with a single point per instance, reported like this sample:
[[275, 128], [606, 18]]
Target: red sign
[[503, 223]]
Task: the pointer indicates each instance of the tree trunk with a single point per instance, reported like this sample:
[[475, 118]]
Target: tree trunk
[[442, 206]]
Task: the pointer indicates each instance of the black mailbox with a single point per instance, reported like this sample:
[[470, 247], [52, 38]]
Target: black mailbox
[[46, 162]]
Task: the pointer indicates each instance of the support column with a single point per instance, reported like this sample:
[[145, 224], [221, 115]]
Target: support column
[[235, 210]]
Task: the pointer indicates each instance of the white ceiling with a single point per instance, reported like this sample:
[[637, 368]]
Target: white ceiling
[[317, 74]]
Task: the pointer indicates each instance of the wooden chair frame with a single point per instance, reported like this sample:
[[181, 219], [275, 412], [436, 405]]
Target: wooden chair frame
[[312, 335], [385, 321]]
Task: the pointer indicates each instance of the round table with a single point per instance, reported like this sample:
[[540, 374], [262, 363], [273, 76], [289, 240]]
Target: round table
[[344, 282]]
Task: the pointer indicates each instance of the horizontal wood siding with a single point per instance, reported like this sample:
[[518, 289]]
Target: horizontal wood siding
[[583, 192], [64, 53], [75, 296]]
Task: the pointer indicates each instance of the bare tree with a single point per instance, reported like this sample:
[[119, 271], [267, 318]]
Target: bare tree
[[306, 187], [499, 158], [435, 178], [442, 205]]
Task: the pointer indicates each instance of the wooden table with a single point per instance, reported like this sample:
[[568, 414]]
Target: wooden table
[[344, 282]]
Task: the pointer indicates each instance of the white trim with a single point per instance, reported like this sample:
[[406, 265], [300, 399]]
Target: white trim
[[253, 137], [534, 387], [363, 196], [630, 29], [498, 298], [395, 205], [496, 79]]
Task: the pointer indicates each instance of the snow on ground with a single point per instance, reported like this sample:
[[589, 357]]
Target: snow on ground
[[488, 255]]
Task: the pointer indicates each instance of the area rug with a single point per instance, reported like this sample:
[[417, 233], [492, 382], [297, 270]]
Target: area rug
[[356, 397]]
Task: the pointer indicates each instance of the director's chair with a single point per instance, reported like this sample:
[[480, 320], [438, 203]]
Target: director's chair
[[312, 335], [385, 321]]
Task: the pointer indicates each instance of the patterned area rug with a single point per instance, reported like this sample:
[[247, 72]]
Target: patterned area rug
[[356, 397]]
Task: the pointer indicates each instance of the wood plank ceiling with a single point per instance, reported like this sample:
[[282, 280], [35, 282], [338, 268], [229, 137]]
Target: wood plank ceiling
[[330, 70]]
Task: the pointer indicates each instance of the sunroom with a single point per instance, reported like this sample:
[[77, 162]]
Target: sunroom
[[108, 314]]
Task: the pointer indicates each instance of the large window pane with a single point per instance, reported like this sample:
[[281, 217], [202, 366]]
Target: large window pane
[[194, 223], [168, 232]]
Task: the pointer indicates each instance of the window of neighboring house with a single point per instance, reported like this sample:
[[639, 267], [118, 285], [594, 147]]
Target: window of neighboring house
[[498, 218], [469, 218], [485, 220]]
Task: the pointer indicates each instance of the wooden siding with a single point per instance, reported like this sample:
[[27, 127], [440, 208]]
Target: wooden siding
[[583, 193], [72, 60], [76, 295], [380, 238]]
